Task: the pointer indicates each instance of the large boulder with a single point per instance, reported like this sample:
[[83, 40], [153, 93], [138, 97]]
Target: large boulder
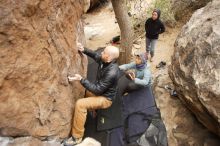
[[195, 68], [183, 129], [183, 9], [37, 53]]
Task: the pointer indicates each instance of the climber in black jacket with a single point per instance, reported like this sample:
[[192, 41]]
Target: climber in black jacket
[[153, 27], [103, 90]]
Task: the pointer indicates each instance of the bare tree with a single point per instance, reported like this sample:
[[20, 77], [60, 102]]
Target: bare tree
[[126, 27]]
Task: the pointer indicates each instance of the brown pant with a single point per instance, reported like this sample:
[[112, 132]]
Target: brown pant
[[91, 102]]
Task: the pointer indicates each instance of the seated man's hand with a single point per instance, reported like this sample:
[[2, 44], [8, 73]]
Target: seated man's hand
[[80, 47], [132, 75], [76, 77]]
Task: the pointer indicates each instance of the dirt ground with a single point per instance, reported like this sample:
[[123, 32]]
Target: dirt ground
[[100, 27], [165, 47]]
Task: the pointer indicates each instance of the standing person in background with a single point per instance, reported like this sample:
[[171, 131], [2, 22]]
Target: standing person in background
[[153, 27]]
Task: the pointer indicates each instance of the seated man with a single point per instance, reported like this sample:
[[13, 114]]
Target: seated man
[[104, 89], [141, 75]]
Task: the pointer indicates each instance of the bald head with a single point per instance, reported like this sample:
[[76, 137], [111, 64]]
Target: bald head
[[110, 53]]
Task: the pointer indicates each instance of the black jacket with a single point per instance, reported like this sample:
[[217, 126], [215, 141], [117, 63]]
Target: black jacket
[[153, 28], [106, 80]]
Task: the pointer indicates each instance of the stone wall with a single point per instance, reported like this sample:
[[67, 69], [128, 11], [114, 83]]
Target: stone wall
[[195, 68], [37, 52]]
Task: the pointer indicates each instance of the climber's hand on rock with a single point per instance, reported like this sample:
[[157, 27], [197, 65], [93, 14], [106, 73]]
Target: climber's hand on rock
[[80, 47], [76, 77]]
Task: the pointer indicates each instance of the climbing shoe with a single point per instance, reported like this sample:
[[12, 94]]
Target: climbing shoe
[[72, 141], [161, 64]]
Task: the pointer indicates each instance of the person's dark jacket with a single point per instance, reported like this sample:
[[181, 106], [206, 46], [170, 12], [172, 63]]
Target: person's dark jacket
[[154, 27], [106, 80]]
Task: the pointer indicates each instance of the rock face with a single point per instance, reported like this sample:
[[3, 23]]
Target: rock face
[[183, 9], [195, 68], [37, 52], [183, 128]]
